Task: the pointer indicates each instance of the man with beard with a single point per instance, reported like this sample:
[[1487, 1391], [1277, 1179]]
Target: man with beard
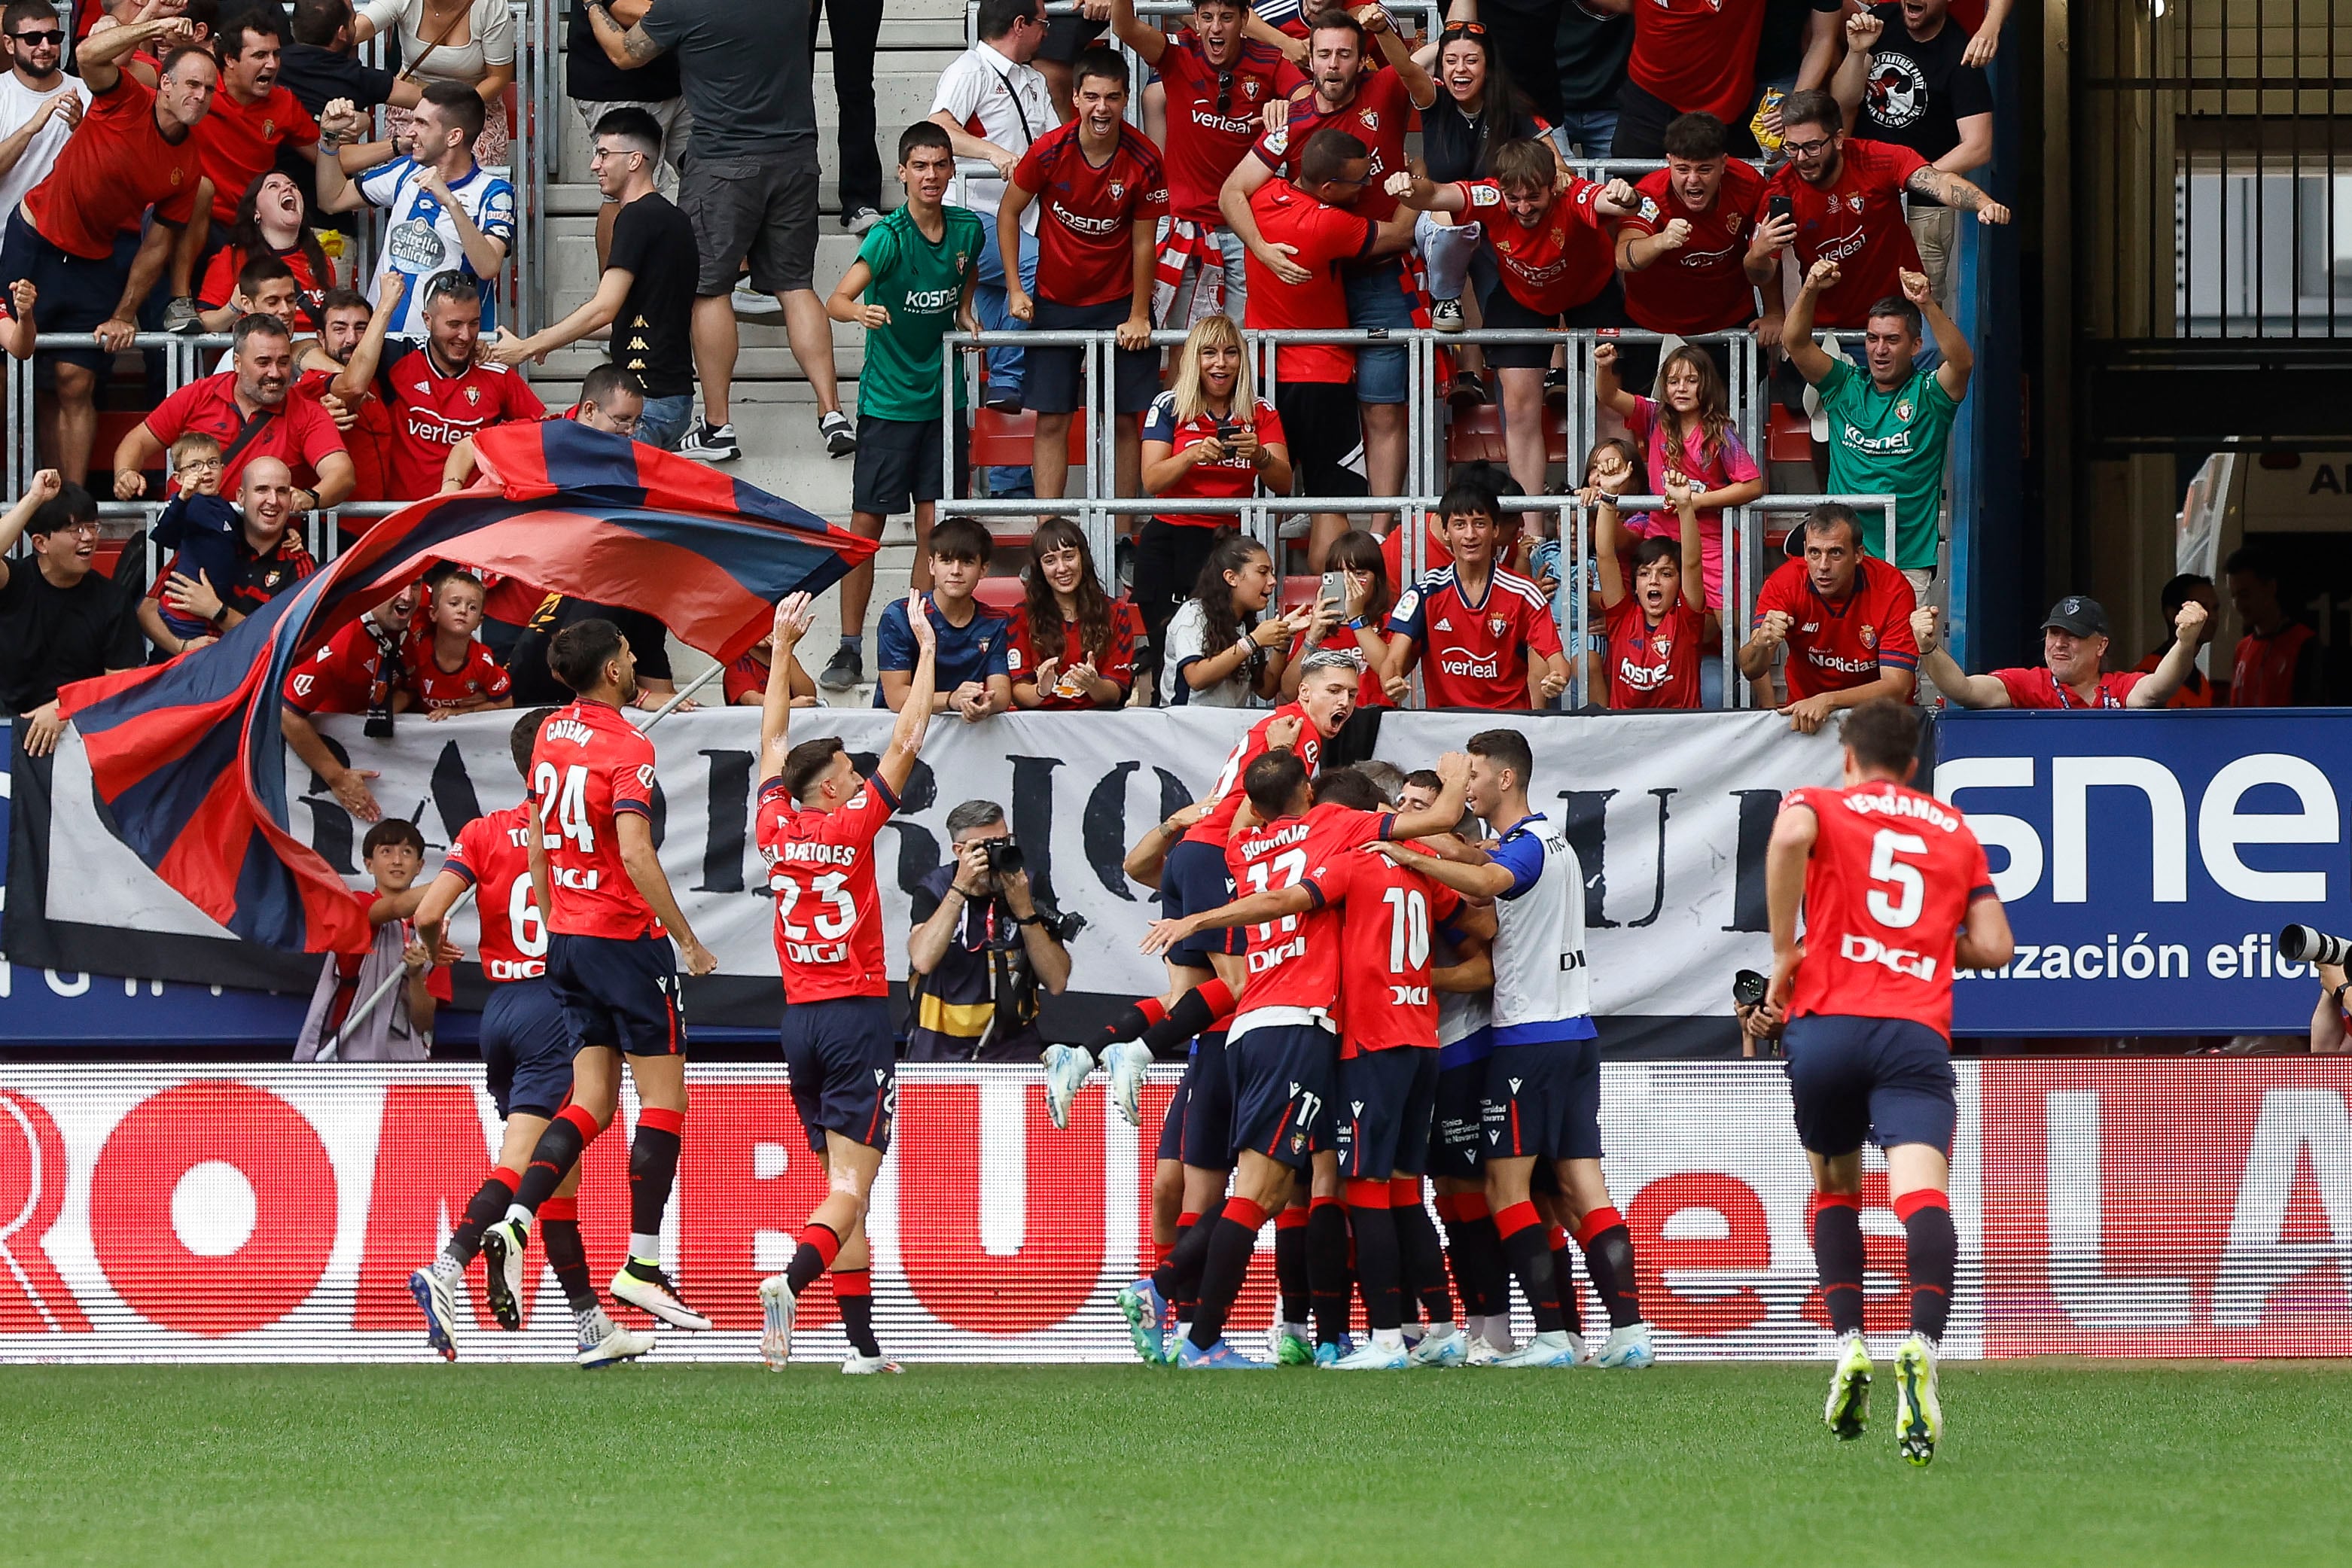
[[245, 408], [437, 397], [344, 319], [39, 104]]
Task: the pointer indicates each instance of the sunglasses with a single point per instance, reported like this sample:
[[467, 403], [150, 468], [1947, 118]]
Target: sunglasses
[[1463, 30], [1224, 94], [52, 36]]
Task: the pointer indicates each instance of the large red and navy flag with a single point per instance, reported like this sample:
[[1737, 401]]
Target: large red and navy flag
[[186, 757]]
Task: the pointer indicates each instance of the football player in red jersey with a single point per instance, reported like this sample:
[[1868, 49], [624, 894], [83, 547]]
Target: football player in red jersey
[[611, 919], [1886, 876], [815, 827], [527, 1060]]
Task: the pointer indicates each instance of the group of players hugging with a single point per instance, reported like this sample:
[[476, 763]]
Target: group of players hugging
[[1380, 979]]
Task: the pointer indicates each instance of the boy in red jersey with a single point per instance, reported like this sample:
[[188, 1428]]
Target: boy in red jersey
[[1683, 250], [2073, 651], [449, 670], [527, 1062], [1104, 193], [1845, 617], [1885, 877], [1484, 637], [815, 826], [1283, 1045], [611, 920], [1655, 636]]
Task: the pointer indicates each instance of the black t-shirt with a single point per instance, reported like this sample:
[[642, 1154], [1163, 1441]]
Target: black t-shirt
[[1781, 46], [1918, 93], [535, 685], [654, 242], [1457, 147], [50, 635], [317, 77], [1593, 48], [590, 77]]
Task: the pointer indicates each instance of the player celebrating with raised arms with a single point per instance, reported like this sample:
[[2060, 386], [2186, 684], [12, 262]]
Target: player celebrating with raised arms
[[527, 1059], [611, 919], [1885, 877], [816, 823]]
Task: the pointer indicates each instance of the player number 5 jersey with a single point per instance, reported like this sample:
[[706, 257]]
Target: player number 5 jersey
[[828, 909]]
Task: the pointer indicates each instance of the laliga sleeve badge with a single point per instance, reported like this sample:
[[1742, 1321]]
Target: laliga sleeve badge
[[1485, 195]]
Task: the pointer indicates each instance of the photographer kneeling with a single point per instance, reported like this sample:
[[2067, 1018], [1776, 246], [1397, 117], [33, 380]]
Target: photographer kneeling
[[980, 948]]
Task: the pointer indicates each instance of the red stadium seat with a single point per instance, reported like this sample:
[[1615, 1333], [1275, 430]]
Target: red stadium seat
[[1299, 589], [1788, 437], [1005, 595], [1010, 440], [1476, 435]]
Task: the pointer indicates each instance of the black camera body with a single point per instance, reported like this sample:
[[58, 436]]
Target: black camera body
[[1749, 988], [1005, 858]]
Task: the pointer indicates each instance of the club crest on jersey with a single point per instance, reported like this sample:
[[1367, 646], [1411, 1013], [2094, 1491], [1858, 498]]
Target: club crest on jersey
[[1870, 636], [1117, 189], [1371, 118], [1854, 202], [644, 776], [473, 394], [1249, 86], [1902, 411], [1497, 624]]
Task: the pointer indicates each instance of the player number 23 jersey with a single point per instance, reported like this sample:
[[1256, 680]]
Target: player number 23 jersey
[[828, 908]]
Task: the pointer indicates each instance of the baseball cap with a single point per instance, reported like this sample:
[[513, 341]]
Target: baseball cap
[[2079, 614]]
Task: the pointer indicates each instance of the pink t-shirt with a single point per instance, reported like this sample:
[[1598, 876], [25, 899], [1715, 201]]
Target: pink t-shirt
[[1728, 464]]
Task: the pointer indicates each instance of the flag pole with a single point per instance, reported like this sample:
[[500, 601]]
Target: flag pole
[[328, 1051]]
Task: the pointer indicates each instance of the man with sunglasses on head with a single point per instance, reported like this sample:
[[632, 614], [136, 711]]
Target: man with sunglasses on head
[[39, 104]]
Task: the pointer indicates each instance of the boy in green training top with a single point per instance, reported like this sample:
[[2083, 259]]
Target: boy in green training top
[[916, 270]]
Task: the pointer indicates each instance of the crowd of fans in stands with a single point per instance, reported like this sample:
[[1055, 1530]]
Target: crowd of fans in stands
[[191, 175]]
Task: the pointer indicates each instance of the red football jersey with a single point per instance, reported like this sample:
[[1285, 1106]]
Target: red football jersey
[[1116, 663], [1387, 914], [493, 853], [588, 766], [1320, 237], [1227, 478], [1087, 216], [747, 676], [828, 909], [114, 166], [1294, 962], [218, 284], [369, 442], [1833, 647], [1703, 287], [1562, 262], [434, 687], [238, 143], [341, 677], [1213, 118], [1654, 667], [1475, 655], [1698, 55], [1217, 824], [1857, 222], [1892, 875], [2038, 688], [1378, 116], [2264, 671], [432, 412], [1370, 693]]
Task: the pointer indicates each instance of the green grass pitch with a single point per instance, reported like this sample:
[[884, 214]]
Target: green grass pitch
[[2042, 1463]]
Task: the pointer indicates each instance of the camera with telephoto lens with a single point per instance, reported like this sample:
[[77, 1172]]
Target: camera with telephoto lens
[[1749, 988], [2308, 945]]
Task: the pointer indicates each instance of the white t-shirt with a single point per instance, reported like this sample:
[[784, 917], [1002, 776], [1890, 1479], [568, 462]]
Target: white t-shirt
[[19, 103], [421, 238], [997, 100], [1186, 640]]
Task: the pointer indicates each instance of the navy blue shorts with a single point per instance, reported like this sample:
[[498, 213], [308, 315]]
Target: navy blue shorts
[[1171, 1126], [1206, 1140], [1455, 1121], [619, 993], [1886, 1080], [1284, 1078], [1544, 1099], [1056, 377], [526, 1049], [1387, 1099], [77, 293], [843, 1062], [1193, 880]]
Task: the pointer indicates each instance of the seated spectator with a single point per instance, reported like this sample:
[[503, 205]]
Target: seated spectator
[[1687, 437], [248, 409], [975, 640], [361, 419], [1208, 435], [59, 620], [1073, 643], [2196, 689], [1683, 249], [1102, 191], [1353, 623], [1216, 653], [915, 272], [746, 680], [2280, 660], [400, 1028], [1655, 637], [1890, 427], [476, 55], [436, 394], [270, 560], [2071, 672], [1484, 637], [1907, 80], [449, 670], [446, 212], [270, 221], [1844, 617]]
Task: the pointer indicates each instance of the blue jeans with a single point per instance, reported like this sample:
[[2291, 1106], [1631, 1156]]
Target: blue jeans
[[1586, 133], [664, 420], [1004, 367]]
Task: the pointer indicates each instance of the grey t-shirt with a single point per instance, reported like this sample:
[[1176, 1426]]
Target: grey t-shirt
[[745, 71]]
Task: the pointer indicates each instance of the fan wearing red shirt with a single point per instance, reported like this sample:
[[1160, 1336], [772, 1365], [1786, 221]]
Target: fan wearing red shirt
[[1073, 644], [133, 151], [1655, 637], [1844, 617], [252, 116], [1218, 84], [1484, 637], [345, 317], [436, 394], [2072, 674], [1378, 109], [1895, 892], [1688, 55], [2280, 662], [1845, 204], [1104, 192], [1354, 623], [1683, 249], [449, 670], [251, 411], [815, 828], [611, 917]]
